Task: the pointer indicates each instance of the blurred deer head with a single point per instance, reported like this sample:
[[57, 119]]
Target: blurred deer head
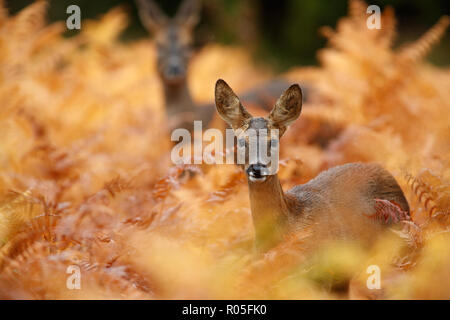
[[266, 131], [173, 36]]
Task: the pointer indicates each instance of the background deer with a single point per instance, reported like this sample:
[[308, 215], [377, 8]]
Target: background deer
[[339, 204], [173, 37]]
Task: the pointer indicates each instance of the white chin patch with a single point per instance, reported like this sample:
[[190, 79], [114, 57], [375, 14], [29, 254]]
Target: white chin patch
[[254, 179]]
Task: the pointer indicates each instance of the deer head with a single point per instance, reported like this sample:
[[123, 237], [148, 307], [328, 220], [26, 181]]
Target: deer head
[[173, 36], [266, 131]]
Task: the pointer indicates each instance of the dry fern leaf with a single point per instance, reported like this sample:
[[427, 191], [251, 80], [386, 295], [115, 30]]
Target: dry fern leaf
[[164, 186], [106, 31], [411, 233], [30, 20], [4, 14], [431, 191], [329, 114], [117, 185], [388, 27], [357, 11], [420, 48], [16, 208], [227, 190], [388, 211]]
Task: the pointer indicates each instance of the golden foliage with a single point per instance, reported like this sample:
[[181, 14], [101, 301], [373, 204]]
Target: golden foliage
[[86, 178]]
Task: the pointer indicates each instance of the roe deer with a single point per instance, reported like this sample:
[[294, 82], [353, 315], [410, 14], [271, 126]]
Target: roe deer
[[339, 204], [173, 37]]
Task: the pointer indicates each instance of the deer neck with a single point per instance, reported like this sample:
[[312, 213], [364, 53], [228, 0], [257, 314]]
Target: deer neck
[[269, 212], [177, 97], [180, 107]]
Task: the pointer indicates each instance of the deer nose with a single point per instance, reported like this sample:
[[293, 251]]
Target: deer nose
[[175, 70], [257, 172], [174, 66]]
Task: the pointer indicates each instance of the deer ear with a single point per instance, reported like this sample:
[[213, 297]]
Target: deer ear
[[188, 14], [151, 15], [229, 107], [287, 108]]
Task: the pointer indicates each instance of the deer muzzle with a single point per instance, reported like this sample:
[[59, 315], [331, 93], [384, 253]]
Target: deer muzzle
[[257, 172]]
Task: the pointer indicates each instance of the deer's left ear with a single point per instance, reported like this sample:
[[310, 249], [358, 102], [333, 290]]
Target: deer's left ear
[[188, 14], [287, 108]]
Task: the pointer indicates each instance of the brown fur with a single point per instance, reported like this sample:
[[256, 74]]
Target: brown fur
[[339, 203]]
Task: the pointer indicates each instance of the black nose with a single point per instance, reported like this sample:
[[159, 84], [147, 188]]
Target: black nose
[[175, 70], [256, 170]]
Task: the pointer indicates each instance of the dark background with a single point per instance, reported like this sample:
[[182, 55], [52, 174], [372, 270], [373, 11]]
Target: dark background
[[282, 33]]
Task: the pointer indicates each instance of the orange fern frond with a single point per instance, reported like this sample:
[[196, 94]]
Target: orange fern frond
[[165, 185], [423, 192], [357, 10], [16, 208], [106, 30], [227, 189], [31, 19], [4, 13], [388, 26], [389, 212], [420, 48], [117, 185]]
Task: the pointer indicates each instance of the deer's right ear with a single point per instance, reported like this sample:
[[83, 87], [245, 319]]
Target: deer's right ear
[[151, 15], [229, 107], [188, 14]]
